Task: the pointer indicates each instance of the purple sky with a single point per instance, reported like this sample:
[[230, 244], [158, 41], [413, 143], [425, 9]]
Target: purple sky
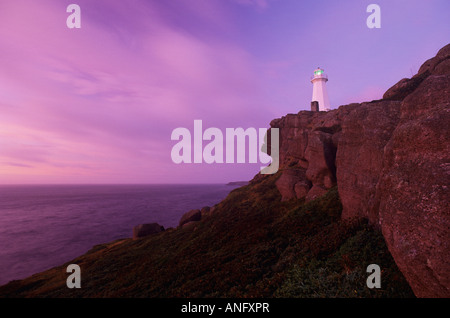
[[98, 104]]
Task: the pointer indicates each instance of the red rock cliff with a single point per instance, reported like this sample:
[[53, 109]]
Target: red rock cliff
[[390, 160]]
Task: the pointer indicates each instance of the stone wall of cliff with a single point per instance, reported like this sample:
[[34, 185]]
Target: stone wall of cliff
[[391, 162]]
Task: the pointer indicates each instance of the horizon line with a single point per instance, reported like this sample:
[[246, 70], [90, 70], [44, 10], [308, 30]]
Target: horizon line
[[63, 184]]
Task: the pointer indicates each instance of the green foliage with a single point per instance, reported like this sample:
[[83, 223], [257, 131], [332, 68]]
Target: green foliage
[[343, 274]]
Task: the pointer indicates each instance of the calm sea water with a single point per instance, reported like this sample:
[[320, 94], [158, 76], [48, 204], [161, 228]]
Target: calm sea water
[[45, 226]]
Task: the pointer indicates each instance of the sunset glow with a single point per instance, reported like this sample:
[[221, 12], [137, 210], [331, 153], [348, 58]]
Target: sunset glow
[[98, 104]]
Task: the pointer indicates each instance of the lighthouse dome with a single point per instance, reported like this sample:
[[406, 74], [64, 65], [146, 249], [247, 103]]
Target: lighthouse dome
[[319, 75], [318, 71]]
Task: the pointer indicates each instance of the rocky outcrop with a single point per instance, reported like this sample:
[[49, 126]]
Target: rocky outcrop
[[391, 162], [365, 133], [404, 87], [143, 230], [308, 144], [293, 184], [205, 211], [191, 216], [413, 192]]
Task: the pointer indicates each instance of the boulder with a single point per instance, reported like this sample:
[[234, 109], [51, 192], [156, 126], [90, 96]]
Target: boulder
[[190, 225], [205, 210], [442, 68], [315, 192], [193, 215], [143, 230], [287, 181], [438, 65], [431, 64], [404, 87], [301, 189]]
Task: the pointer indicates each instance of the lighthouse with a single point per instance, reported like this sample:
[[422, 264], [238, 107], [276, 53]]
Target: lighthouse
[[320, 101]]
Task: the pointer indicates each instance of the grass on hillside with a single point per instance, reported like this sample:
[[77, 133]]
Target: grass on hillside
[[252, 245]]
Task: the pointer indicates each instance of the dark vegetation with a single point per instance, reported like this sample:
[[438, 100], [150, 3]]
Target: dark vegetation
[[251, 245]]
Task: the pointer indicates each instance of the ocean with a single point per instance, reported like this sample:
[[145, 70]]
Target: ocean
[[43, 226]]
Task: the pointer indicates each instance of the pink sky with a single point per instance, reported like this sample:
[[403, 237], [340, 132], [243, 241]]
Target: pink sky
[[98, 104]]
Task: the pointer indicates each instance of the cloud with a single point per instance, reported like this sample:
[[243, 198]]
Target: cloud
[[15, 164], [106, 97], [259, 4]]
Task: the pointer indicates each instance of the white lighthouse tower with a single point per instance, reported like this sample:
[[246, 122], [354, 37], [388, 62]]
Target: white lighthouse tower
[[320, 94]]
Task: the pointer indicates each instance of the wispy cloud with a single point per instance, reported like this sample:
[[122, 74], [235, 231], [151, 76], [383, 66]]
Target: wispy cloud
[[109, 96], [15, 164], [259, 4]]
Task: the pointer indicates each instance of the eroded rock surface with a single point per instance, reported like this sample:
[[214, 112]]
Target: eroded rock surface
[[391, 162]]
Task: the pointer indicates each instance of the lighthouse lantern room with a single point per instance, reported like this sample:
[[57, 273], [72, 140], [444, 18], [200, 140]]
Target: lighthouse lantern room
[[320, 101]]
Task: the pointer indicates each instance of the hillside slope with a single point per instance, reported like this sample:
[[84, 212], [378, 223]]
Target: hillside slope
[[250, 246]]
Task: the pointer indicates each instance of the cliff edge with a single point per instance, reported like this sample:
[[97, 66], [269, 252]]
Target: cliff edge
[[390, 160]]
